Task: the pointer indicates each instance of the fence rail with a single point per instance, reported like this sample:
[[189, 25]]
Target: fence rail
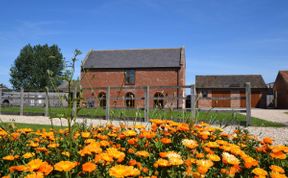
[[177, 100]]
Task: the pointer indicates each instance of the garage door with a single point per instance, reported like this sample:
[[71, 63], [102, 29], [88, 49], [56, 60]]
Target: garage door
[[255, 99], [221, 102]]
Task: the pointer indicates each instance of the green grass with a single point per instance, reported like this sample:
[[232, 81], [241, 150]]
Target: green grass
[[223, 118], [32, 126]]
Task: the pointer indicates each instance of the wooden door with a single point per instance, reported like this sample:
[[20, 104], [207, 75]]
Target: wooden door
[[222, 102], [255, 99]]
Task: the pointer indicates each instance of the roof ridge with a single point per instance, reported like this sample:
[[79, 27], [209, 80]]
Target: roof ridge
[[131, 49], [229, 75]]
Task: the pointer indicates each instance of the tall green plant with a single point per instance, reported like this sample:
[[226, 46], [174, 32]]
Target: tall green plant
[[68, 76]]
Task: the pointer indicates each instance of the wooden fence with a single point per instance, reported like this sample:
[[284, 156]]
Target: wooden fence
[[193, 99]]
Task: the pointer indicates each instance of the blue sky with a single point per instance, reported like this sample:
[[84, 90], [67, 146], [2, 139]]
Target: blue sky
[[220, 36]]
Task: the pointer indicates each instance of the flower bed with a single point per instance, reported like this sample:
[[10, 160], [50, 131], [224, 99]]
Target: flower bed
[[167, 149]]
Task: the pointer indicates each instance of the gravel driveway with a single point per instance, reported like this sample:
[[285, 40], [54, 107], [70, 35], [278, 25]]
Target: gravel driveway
[[274, 115], [279, 135]]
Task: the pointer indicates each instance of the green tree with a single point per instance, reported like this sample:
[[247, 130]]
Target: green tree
[[30, 67]]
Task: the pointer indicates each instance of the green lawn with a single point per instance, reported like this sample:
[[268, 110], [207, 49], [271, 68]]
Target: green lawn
[[223, 118], [32, 126]]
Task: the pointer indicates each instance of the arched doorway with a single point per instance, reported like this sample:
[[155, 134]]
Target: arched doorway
[[158, 100], [102, 99], [130, 100]]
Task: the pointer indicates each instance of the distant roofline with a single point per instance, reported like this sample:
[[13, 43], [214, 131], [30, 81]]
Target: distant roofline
[[128, 49], [229, 75]]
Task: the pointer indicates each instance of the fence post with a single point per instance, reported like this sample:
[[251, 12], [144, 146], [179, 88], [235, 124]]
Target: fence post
[[74, 109], [0, 99], [21, 101], [248, 103], [146, 104], [193, 101], [108, 103], [46, 102]]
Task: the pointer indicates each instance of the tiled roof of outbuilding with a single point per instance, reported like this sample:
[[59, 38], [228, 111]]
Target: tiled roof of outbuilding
[[229, 81]]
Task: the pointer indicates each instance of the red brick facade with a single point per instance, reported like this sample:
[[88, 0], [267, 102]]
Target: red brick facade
[[257, 98], [281, 90], [95, 78]]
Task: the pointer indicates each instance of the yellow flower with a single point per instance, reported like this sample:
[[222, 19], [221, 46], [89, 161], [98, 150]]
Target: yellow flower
[[65, 153], [35, 175], [212, 145], [65, 166], [85, 134], [213, 157], [189, 143], [28, 155], [259, 172], [230, 159], [53, 145], [130, 133], [162, 163], [123, 171], [144, 154]]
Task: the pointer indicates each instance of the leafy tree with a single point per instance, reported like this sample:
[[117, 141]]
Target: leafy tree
[[30, 67]]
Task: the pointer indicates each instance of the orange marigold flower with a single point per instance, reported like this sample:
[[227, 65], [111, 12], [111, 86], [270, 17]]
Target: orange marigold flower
[[20, 168], [267, 140], [53, 145], [190, 143], [213, 157], [65, 166], [144, 154], [85, 134], [278, 155], [34, 164], [35, 175], [28, 155], [228, 158], [277, 175], [132, 162], [132, 141], [199, 155], [259, 172], [161, 163], [205, 163], [202, 169], [275, 168], [123, 171], [249, 162], [165, 140], [212, 145], [130, 133], [88, 167], [9, 158], [45, 168]]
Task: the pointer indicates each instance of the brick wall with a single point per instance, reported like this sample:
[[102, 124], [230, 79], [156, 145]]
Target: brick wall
[[281, 93], [143, 77]]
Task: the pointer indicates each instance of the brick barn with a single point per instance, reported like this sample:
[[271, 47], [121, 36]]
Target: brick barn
[[280, 89], [217, 86], [130, 69]]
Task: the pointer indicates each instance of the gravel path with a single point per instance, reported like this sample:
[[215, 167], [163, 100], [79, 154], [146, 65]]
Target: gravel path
[[274, 115], [279, 135]]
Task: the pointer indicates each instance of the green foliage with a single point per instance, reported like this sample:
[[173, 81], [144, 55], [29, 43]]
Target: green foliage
[[30, 67]]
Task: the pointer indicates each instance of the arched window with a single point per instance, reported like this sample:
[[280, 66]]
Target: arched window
[[102, 99], [158, 100], [130, 100]]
